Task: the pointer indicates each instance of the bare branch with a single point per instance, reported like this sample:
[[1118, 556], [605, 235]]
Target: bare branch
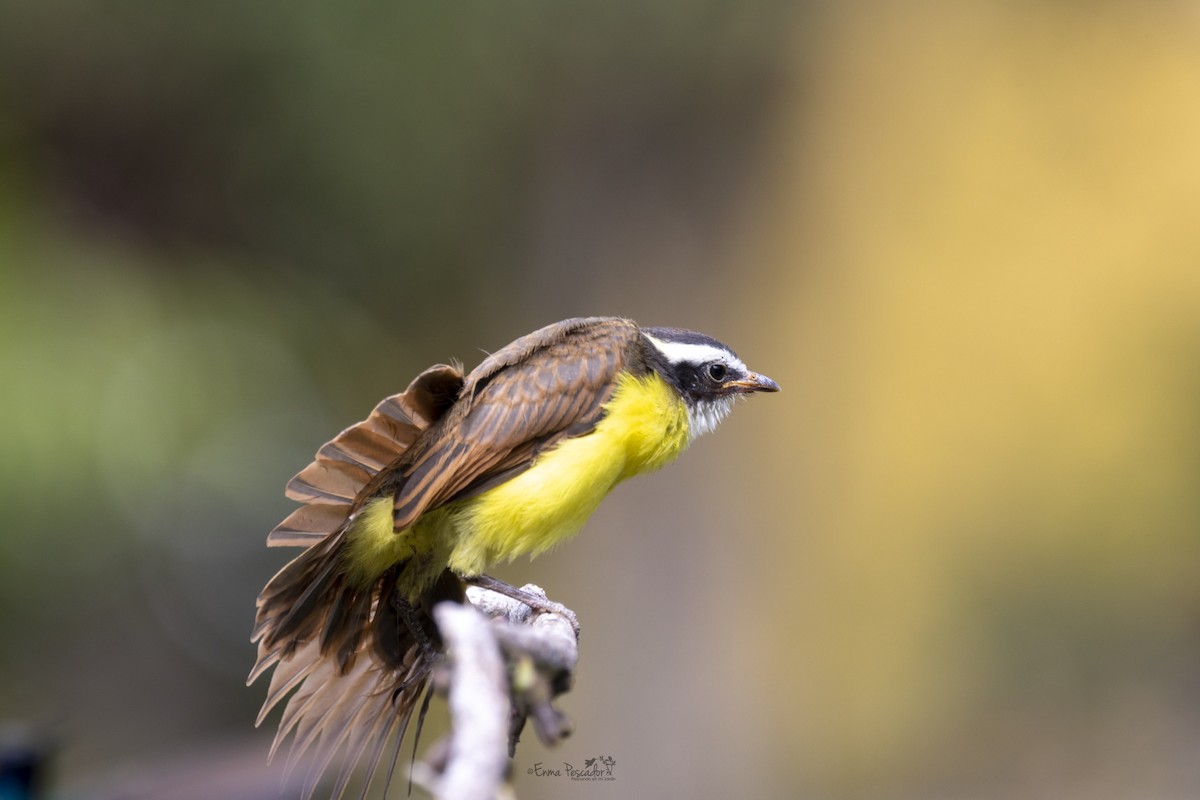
[[501, 671], [478, 705]]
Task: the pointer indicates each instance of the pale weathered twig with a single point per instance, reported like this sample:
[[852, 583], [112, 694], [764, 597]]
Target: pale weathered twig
[[500, 672], [478, 705]]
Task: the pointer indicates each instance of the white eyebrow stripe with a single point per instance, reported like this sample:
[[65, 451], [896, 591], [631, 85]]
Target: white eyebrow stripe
[[692, 353]]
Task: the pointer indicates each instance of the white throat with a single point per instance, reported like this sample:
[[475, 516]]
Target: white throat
[[706, 415]]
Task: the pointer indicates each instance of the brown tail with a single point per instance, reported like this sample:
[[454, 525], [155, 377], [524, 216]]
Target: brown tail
[[356, 667], [354, 705]]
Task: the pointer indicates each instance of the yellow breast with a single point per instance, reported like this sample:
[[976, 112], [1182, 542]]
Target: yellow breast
[[645, 427]]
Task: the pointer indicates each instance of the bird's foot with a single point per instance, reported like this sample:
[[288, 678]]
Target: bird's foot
[[530, 595]]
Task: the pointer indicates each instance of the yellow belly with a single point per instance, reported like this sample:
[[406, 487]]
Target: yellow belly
[[645, 427]]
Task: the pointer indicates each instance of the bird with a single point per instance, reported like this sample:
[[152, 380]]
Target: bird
[[455, 474]]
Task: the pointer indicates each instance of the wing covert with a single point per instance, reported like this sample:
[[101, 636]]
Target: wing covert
[[519, 401]]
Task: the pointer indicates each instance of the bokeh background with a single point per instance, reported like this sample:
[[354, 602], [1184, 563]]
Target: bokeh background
[[958, 556]]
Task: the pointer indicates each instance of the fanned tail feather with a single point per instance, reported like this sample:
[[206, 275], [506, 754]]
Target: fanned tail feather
[[352, 713]]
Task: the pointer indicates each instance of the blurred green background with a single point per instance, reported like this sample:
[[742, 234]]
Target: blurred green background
[[958, 557]]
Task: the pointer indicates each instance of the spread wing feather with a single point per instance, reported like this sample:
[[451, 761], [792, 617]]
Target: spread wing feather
[[344, 466], [307, 525]]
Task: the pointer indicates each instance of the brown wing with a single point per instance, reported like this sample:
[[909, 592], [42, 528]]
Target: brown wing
[[521, 400], [331, 484]]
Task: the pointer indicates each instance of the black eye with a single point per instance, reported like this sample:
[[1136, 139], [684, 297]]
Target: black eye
[[717, 371]]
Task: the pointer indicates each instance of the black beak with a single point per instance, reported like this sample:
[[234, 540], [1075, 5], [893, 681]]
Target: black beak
[[753, 382]]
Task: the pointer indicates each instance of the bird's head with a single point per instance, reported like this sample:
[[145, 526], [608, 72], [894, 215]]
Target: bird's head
[[708, 375]]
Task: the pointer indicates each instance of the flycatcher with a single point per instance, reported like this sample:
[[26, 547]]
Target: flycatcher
[[457, 473]]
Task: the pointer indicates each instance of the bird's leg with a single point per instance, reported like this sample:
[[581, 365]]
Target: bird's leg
[[534, 601], [409, 615]]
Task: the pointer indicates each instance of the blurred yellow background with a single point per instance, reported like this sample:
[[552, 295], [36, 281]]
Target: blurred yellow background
[[958, 556]]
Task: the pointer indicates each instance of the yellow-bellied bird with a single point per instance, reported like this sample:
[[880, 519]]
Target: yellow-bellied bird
[[447, 478]]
